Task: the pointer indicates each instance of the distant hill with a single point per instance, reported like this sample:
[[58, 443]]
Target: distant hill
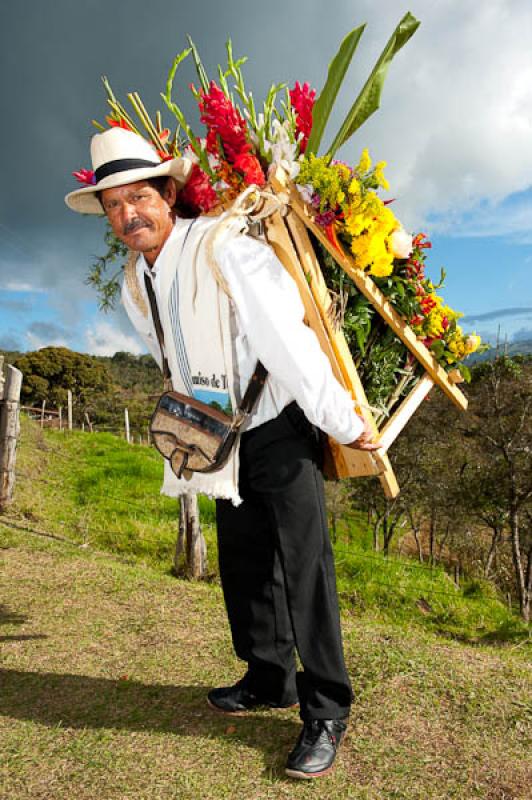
[[518, 348]]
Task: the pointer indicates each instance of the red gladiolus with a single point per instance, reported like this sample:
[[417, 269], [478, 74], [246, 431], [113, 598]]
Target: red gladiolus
[[223, 120], [198, 194], [427, 304], [330, 230], [249, 166], [302, 99], [445, 323], [117, 123], [421, 241], [85, 176]]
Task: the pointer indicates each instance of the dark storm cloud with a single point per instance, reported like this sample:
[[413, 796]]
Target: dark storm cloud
[[47, 330], [9, 342], [499, 312], [15, 305], [54, 54]]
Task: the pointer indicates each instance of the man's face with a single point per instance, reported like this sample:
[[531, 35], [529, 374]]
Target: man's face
[[140, 217]]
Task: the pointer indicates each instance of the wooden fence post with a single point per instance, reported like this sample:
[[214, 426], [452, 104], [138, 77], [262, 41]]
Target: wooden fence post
[[9, 431], [69, 409], [190, 538], [42, 413], [126, 422], [60, 418]]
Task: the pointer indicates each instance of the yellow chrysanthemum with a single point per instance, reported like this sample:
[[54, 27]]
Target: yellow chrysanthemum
[[379, 176], [364, 165]]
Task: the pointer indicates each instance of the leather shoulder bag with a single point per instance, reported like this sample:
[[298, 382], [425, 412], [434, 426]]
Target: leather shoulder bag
[[192, 435]]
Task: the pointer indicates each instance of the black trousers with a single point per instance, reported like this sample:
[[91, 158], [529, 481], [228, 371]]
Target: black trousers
[[277, 571]]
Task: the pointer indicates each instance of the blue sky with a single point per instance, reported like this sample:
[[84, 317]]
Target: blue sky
[[455, 128]]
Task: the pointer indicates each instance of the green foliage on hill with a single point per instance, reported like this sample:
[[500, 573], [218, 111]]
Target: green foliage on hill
[[50, 372]]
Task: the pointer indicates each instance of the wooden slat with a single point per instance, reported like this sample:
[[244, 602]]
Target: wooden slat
[[356, 462], [347, 462], [408, 407], [368, 288]]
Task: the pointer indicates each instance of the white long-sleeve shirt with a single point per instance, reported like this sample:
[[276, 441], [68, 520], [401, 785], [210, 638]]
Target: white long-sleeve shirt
[[268, 326]]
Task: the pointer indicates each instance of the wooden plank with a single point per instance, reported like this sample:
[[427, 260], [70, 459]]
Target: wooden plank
[[368, 288], [355, 462], [347, 462], [408, 407]]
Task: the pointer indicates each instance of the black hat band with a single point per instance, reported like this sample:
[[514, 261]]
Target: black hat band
[[121, 165]]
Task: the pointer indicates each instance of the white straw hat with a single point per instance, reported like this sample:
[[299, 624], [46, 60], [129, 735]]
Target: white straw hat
[[120, 157]]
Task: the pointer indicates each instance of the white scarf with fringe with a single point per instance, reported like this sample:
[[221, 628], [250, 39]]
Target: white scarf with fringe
[[194, 307]]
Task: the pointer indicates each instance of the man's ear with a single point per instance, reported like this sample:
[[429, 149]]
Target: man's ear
[[170, 192]]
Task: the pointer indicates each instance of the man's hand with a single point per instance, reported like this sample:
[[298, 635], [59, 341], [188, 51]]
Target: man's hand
[[365, 440]]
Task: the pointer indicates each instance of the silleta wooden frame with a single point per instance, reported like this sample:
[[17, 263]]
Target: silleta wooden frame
[[288, 235]]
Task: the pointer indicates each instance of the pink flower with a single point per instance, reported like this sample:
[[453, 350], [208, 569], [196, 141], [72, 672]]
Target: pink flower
[[302, 99], [85, 176]]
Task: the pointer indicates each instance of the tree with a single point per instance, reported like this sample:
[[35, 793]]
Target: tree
[[500, 429], [51, 371]]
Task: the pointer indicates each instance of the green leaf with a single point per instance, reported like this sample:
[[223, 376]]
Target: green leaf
[[337, 69], [200, 69], [464, 371], [437, 347], [173, 69], [368, 100]]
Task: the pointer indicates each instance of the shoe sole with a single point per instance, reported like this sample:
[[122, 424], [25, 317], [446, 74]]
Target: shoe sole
[[294, 773], [246, 711]]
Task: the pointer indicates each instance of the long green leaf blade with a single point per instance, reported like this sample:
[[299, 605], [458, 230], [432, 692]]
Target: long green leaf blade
[[173, 69], [200, 69], [337, 69], [368, 100]]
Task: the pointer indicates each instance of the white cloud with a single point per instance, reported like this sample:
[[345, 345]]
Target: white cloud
[[456, 119], [14, 286], [104, 339]]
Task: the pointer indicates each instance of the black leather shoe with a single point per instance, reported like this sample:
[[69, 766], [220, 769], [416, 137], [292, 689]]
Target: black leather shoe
[[238, 699], [316, 748]]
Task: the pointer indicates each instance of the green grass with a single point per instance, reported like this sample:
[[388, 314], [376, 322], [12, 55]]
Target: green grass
[[100, 492], [106, 658], [104, 667]]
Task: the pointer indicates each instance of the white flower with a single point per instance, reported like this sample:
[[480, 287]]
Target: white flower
[[189, 153], [281, 150], [401, 243], [306, 192], [472, 343]]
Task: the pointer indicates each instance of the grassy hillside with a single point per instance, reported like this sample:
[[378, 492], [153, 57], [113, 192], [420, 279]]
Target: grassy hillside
[[99, 492], [105, 658]]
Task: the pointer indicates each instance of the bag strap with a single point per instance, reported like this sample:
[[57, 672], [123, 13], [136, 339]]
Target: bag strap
[[158, 327], [256, 382]]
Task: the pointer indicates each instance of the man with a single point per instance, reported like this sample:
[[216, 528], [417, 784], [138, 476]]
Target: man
[[276, 562]]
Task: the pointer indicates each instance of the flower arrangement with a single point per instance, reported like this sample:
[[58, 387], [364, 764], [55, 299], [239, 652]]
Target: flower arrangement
[[242, 145]]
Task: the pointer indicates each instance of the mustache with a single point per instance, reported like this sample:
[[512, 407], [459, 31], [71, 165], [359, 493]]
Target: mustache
[[134, 225]]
